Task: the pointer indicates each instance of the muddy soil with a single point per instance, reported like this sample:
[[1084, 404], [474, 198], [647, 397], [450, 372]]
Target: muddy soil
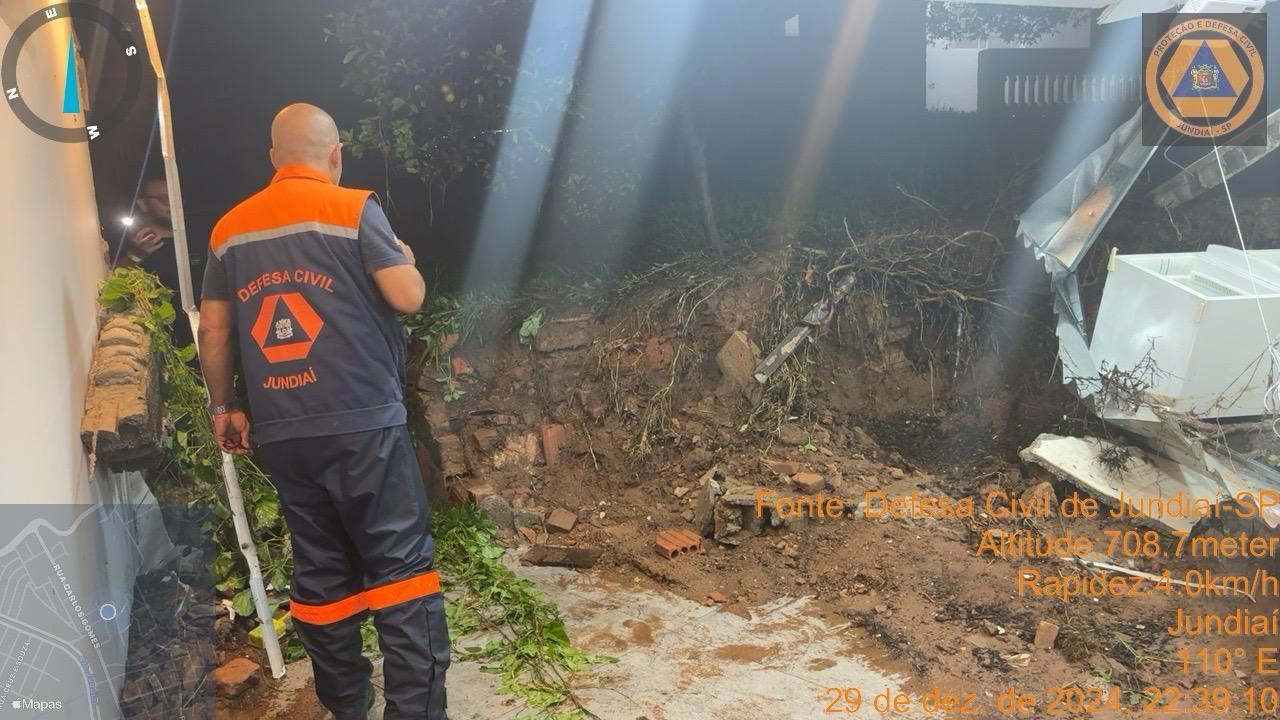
[[624, 415]]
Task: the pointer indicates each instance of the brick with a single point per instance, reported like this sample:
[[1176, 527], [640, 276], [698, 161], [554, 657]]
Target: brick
[[485, 439], [561, 520], [718, 597], [460, 366], [675, 542], [236, 676], [453, 458], [783, 467], [478, 491], [1046, 635], [808, 482], [553, 436], [437, 414]]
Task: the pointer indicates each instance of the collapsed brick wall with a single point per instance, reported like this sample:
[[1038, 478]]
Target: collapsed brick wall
[[122, 423]]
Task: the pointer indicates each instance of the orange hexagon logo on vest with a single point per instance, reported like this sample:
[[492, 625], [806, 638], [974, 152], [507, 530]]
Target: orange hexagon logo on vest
[[286, 327]]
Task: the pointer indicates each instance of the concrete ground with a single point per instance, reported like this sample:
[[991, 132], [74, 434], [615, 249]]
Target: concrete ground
[[678, 660]]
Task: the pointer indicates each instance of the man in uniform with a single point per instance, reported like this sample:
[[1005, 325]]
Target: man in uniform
[[307, 276]]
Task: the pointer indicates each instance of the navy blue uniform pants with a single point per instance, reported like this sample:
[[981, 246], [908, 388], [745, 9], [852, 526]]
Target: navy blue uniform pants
[[361, 532]]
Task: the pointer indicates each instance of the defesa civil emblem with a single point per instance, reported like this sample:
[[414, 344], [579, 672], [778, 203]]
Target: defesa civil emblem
[[1205, 77]]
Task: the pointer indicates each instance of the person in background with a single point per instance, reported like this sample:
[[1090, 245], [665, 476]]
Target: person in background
[[306, 277], [148, 244]]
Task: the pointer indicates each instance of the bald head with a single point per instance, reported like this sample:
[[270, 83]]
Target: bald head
[[303, 134]]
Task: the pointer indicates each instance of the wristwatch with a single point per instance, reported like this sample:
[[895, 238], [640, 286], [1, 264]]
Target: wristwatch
[[222, 409]]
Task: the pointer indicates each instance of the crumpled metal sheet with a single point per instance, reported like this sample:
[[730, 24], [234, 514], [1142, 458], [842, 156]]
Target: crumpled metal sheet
[[1062, 224]]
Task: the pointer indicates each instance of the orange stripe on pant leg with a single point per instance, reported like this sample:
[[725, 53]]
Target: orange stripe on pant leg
[[405, 590], [329, 612]]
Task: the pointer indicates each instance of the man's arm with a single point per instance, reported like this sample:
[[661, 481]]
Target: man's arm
[[217, 325], [216, 348], [389, 261], [402, 285]]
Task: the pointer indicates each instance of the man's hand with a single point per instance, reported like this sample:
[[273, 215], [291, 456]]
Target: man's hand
[[146, 241], [231, 429], [408, 251]]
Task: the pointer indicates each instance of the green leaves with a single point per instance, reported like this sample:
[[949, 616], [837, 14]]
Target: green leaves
[[528, 646], [242, 603], [530, 326], [193, 470]]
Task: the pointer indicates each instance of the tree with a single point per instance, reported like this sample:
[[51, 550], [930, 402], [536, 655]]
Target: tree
[[438, 78], [1013, 24]]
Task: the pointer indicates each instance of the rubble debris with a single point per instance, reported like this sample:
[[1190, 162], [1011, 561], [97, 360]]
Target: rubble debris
[[1042, 496], [477, 491], [519, 451], [122, 423], [557, 556], [485, 439], [564, 334], [1046, 635], [553, 436], [862, 439], [704, 513], [991, 659], [728, 522], [718, 597], [499, 511], [172, 654], [680, 492], [459, 366], [561, 520], [736, 359], [453, 458], [818, 315], [1146, 481], [792, 434], [674, 542], [809, 482], [437, 411], [236, 676], [783, 467]]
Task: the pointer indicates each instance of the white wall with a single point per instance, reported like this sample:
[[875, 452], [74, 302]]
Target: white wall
[[52, 265], [951, 69], [53, 262]]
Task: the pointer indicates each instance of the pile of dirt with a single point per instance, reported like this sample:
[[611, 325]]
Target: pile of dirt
[[171, 651], [620, 423]]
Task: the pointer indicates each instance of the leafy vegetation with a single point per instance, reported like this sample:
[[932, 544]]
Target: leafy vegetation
[[1014, 24], [438, 79], [526, 643], [529, 647], [530, 326], [193, 459]]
